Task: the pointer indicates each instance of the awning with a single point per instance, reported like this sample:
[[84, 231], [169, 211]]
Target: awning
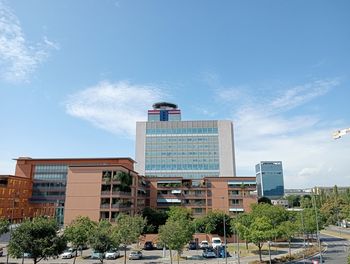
[[168, 200], [236, 210], [176, 191]]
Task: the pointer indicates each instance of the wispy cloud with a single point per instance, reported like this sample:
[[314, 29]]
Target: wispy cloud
[[114, 107], [268, 128], [18, 58]]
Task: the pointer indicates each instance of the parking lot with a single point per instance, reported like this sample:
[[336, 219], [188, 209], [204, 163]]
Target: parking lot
[[149, 257]]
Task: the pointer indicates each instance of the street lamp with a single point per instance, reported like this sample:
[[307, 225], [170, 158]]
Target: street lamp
[[224, 221], [318, 232]]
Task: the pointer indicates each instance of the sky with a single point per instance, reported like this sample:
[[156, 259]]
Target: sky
[[75, 76]]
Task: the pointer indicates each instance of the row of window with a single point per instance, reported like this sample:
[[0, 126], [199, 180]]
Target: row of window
[[207, 166], [51, 168], [188, 175], [193, 130], [50, 176], [182, 139], [183, 154], [49, 184]]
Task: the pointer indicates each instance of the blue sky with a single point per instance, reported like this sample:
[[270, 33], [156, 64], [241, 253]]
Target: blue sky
[[75, 76]]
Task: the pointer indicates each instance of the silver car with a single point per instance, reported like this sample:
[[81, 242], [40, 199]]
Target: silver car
[[135, 255]]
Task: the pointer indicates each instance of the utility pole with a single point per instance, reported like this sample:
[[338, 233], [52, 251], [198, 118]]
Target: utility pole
[[318, 232]]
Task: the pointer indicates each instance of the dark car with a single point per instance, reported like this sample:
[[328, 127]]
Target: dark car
[[192, 245], [148, 245]]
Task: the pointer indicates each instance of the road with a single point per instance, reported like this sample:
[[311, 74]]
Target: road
[[336, 252]]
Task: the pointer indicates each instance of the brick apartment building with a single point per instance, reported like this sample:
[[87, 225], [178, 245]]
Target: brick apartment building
[[229, 194], [101, 188]]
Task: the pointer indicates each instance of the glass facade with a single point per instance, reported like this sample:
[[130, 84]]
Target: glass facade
[[269, 177], [50, 186], [187, 149]]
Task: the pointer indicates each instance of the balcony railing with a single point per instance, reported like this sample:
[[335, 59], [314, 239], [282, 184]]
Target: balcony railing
[[104, 205], [121, 193]]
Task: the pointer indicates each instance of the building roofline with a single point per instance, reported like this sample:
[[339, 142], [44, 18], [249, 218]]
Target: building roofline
[[59, 159], [102, 165]]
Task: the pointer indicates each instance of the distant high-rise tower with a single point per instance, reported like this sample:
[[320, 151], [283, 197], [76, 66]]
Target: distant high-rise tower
[[169, 147], [269, 179]]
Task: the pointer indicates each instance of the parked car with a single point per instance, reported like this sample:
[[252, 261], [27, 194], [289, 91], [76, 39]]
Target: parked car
[[192, 245], [135, 255], [220, 251], [209, 253], [204, 244], [148, 245], [27, 255], [216, 242], [112, 254], [1, 252], [97, 255], [68, 253]]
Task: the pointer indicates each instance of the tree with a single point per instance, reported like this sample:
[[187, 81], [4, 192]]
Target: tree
[[37, 237], [127, 230], [241, 224], [176, 234], [214, 223], [78, 233], [154, 219], [293, 200], [260, 231], [179, 213], [287, 230], [4, 226], [264, 200], [100, 238], [305, 201]]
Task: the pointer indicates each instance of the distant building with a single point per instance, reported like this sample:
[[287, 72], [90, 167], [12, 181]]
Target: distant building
[[269, 178], [280, 202], [169, 147], [329, 189], [299, 192]]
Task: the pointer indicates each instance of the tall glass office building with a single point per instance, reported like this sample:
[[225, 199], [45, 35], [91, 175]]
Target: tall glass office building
[[269, 179], [169, 147]]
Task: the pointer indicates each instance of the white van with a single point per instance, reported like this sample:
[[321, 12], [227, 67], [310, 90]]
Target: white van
[[215, 242]]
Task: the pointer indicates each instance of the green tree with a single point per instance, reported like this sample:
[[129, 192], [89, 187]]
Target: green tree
[[128, 230], [38, 237], [260, 231], [175, 234], [287, 230], [78, 233], [241, 224], [101, 239], [214, 223], [4, 226], [154, 219], [179, 213], [305, 201], [293, 200], [264, 200]]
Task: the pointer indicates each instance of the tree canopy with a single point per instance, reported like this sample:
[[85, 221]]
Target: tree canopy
[[38, 238]]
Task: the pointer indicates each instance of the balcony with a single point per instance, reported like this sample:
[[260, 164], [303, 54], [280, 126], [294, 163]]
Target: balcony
[[121, 205], [104, 206], [120, 193], [106, 193]]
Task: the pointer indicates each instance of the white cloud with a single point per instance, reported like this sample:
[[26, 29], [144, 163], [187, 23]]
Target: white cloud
[[114, 107], [303, 142], [18, 59]]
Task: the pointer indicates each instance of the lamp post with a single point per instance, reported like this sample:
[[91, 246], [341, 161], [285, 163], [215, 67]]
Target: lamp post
[[224, 221], [318, 232]]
